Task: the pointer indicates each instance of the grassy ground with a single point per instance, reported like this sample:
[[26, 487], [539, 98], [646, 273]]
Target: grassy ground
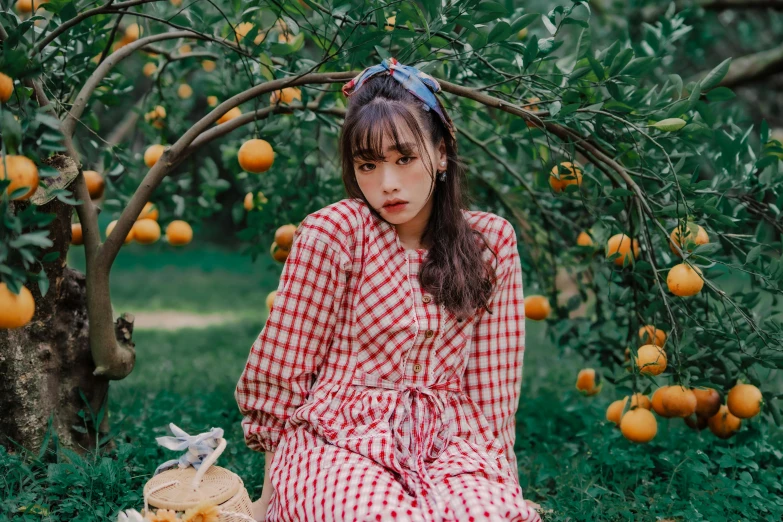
[[571, 461]]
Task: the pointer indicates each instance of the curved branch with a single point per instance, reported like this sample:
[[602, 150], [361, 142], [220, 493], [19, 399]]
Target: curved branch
[[751, 68], [69, 124], [85, 15]]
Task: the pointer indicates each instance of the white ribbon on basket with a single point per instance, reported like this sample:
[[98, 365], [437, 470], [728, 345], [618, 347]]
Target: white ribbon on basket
[[198, 447]]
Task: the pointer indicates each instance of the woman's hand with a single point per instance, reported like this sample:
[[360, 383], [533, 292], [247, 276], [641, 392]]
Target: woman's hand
[[259, 509]]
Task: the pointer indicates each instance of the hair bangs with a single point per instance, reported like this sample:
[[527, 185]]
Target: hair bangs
[[381, 121]]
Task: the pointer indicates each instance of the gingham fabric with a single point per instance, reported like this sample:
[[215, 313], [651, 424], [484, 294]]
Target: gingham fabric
[[380, 404]]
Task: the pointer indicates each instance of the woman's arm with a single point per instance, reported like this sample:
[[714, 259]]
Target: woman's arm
[[261, 505], [288, 353], [493, 376]]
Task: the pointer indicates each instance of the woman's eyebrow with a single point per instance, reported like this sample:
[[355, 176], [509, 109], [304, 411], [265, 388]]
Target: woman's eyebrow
[[404, 147]]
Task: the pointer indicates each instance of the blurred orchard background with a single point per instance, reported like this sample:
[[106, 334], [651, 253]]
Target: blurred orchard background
[[636, 147]]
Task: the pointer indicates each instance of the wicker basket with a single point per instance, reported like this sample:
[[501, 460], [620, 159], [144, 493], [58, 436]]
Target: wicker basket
[[180, 489]]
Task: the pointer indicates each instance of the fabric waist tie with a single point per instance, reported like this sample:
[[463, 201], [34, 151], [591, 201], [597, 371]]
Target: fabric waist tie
[[424, 409]]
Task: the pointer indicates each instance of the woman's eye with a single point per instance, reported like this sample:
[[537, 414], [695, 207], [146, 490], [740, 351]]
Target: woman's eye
[[408, 162]]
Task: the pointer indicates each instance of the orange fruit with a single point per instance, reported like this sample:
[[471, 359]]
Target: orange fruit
[[678, 401], [287, 95], [153, 154], [390, 23], [179, 233], [537, 307], [700, 238], [588, 382], [149, 69], [279, 254], [724, 424], [696, 422], [208, 65], [270, 299], [184, 91], [584, 239], [651, 359], [95, 183], [615, 411], [250, 203], [522, 33], [707, 402], [132, 33], [284, 236], [146, 231], [16, 310], [534, 99], [242, 29], [649, 334], [185, 49], [657, 402], [744, 401], [212, 101], [256, 156], [639, 425], [6, 87], [559, 182], [22, 172], [230, 115], [111, 226], [176, 3], [150, 211], [622, 244], [684, 280], [26, 6], [77, 237], [640, 400]]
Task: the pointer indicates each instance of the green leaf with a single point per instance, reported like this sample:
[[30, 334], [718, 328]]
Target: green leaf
[[753, 254], [500, 32], [669, 124], [715, 76], [677, 82], [267, 67], [51, 256], [720, 94], [43, 282], [548, 24], [523, 21], [598, 69], [620, 61]]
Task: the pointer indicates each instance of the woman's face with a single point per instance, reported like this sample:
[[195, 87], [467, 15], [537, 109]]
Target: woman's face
[[402, 175]]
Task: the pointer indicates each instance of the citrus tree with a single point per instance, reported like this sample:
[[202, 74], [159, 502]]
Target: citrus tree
[[653, 188]]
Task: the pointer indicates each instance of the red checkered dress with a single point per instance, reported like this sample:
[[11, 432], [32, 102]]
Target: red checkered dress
[[380, 404]]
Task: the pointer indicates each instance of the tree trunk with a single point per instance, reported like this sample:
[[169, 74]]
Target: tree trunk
[[47, 363]]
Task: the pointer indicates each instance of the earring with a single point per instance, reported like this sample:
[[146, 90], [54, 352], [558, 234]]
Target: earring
[[442, 173]]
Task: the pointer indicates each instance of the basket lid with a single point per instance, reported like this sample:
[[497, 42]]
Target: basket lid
[[217, 486]]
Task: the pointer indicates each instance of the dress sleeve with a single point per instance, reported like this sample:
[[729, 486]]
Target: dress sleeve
[[493, 376], [287, 355]]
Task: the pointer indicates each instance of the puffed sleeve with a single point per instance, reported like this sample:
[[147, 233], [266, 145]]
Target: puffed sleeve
[[493, 376], [287, 355]]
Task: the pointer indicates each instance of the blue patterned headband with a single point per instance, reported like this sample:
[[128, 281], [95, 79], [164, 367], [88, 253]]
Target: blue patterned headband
[[419, 83]]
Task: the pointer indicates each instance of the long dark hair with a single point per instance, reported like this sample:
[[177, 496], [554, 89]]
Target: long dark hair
[[453, 271]]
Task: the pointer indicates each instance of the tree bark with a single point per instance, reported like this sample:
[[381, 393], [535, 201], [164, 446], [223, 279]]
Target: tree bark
[[45, 364]]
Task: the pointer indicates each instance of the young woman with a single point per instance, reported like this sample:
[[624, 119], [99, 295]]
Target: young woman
[[385, 383]]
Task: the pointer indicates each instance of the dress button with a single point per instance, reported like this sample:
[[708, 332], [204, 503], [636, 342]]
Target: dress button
[[426, 298], [429, 333], [417, 368]]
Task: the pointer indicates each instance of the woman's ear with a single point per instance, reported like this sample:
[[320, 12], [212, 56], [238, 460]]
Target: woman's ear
[[442, 156]]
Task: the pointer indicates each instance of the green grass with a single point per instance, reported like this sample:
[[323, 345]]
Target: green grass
[[571, 460], [198, 278]]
